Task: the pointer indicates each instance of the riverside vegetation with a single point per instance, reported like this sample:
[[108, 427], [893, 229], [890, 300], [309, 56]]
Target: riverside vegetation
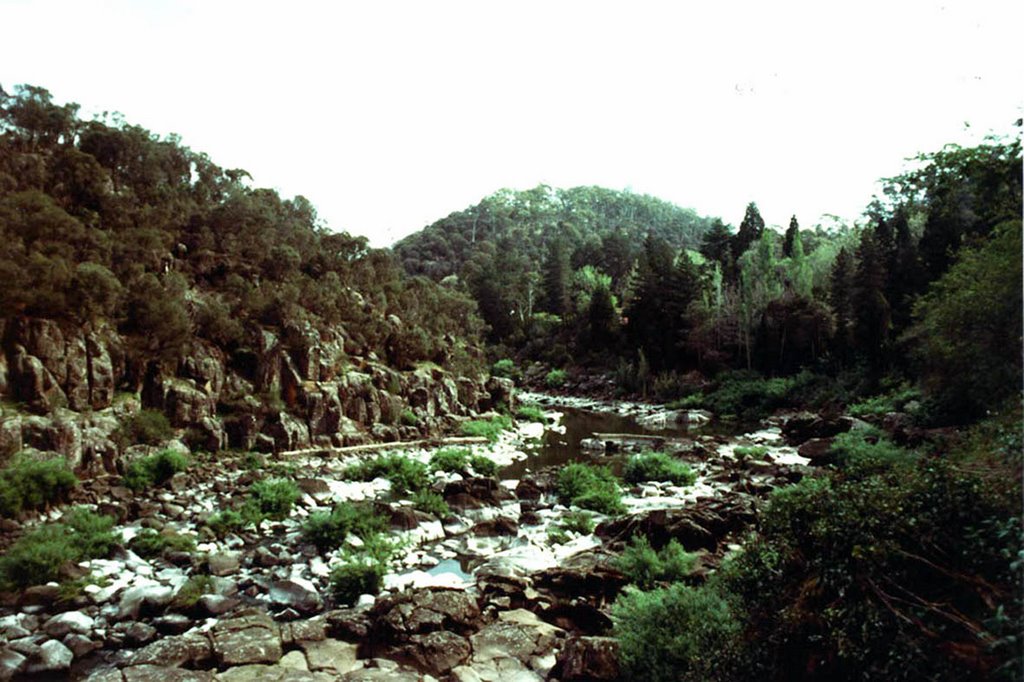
[[178, 349]]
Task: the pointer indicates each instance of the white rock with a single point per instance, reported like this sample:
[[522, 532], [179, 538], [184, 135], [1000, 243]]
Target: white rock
[[69, 621]]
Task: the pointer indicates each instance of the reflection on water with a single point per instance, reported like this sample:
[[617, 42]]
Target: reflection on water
[[460, 567], [557, 448]]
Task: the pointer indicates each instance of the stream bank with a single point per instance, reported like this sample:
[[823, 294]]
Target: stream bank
[[499, 589]]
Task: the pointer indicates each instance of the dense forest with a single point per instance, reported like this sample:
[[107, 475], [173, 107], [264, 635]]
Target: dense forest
[[897, 555], [105, 224]]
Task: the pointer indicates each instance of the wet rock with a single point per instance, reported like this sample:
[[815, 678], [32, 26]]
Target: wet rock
[[51, 657], [172, 624], [247, 639], [496, 527], [589, 574], [216, 604], [298, 594], [67, 622], [475, 493], [588, 658], [143, 599], [11, 663], [139, 634], [818, 450], [803, 426]]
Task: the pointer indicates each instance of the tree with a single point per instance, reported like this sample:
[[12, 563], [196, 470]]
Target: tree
[[841, 302], [791, 235], [750, 230], [872, 314], [967, 328], [556, 276]]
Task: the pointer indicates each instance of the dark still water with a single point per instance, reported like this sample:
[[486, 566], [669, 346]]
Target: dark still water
[[556, 448]]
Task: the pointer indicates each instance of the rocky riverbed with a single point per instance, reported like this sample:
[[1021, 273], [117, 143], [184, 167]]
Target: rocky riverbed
[[497, 590]]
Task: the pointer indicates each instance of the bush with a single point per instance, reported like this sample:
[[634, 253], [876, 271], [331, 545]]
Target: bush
[[880, 405], [408, 418], [431, 503], [578, 522], [328, 530], [450, 460], [590, 487], [657, 466], [224, 522], [486, 428], [748, 395], [149, 543], [866, 450], [189, 593], [676, 633], [504, 368], [33, 484], [145, 427], [555, 378], [644, 566], [745, 453], [531, 413], [38, 556], [557, 536], [270, 498], [145, 472], [356, 577], [483, 466], [883, 572], [405, 474]]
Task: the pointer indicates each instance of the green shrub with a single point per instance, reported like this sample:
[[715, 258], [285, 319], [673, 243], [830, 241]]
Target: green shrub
[[590, 487], [880, 405], [856, 572], [645, 567], [408, 418], [356, 577], [748, 395], [253, 461], [145, 427], [38, 556], [145, 472], [483, 466], [450, 460], [486, 428], [224, 522], [675, 633], [555, 378], [270, 498], [657, 466], [745, 453], [578, 522], [431, 503], [328, 530], [405, 474], [33, 484], [557, 536], [189, 593], [866, 449], [531, 413], [149, 543], [504, 368]]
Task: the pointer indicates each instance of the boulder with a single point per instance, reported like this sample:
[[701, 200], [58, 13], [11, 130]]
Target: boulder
[[67, 622], [51, 657], [436, 652], [173, 652], [475, 493], [588, 658], [818, 450], [252, 638], [590, 575], [702, 525], [331, 656], [153, 673], [298, 594], [11, 663], [398, 617], [802, 426], [32, 383]]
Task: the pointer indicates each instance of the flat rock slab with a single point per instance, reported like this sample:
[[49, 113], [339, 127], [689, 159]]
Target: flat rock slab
[[156, 673], [248, 639], [176, 651], [331, 655]]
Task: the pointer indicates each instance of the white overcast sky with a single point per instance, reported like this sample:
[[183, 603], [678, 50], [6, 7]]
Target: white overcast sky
[[390, 115]]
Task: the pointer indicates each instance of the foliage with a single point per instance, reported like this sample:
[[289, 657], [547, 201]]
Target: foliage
[[146, 472], [578, 522], [897, 570], [404, 473], [191, 590], [408, 418], [745, 453], [486, 428], [450, 460], [270, 498], [675, 633], [225, 521], [38, 556], [555, 378], [967, 327], [29, 483], [504, 368], [356, 577], [590, 487], [645, 567], [328, 530], [145, 427], [747, 394], [557, 535], [431, 503], [483, 466], [657, 466], [150, 543], [531, 413], [880, 405]]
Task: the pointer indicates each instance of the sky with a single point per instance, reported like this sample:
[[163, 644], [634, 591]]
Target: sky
[[390, 115]]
